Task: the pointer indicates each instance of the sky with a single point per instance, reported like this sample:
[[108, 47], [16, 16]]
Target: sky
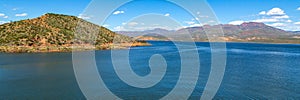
[[148, 14]]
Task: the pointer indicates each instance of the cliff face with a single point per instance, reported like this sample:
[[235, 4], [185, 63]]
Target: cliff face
[[56, 32]]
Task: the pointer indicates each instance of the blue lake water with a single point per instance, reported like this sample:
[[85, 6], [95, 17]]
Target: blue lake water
[[253, 71]]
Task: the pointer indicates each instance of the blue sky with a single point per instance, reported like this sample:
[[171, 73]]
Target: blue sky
[[147, 14]]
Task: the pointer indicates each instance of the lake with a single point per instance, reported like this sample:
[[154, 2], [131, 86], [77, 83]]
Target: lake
[[253, 71]]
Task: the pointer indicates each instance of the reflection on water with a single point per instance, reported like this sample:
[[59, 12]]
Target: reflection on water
[[254, 71]]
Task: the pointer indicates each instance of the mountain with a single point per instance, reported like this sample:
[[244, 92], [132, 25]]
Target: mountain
[[246, 32], [295, 32], [153, 32], [56, 33], [147, 34]]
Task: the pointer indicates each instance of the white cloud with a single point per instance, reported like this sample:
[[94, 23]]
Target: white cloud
[[211, 21], [272, 16], [118, 12], [119, 28], [21, 15], [289, 21], [265, 20], [195, 19], [195, 25], [200, 16], [133, 23], [298, 8], [2, 22], [14, 9], [275, 12], [275, 17], [292, 28], [238, 22], [2, 15], [82, 16], [278, 24], [167, 14], [189, 22], [139, 26], [282, 17], [192, 24], [105, 25], [297, 23], [263, 13]]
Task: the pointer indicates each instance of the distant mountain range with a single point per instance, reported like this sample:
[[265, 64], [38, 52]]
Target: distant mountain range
[[295, 32], [246, 32], [56, 33]]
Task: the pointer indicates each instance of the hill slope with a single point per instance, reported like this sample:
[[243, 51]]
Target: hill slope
[[55, 33], [246, 32]]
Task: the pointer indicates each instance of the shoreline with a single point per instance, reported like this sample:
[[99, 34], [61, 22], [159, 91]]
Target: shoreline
[[110, 46], [69, 48], [296, 43]]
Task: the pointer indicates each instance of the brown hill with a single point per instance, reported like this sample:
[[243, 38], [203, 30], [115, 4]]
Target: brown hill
[[56, 33]]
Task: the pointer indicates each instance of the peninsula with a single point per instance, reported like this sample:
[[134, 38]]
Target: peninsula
[[57, 33]]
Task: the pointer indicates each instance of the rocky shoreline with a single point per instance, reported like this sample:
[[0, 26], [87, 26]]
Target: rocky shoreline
[[69, 48]]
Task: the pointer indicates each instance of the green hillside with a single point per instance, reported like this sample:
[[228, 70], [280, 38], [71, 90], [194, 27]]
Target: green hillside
[[56, 33]]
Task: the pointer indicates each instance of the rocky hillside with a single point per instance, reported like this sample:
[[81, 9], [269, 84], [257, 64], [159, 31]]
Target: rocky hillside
[[56, 33], [246, 32], [251, 29]]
